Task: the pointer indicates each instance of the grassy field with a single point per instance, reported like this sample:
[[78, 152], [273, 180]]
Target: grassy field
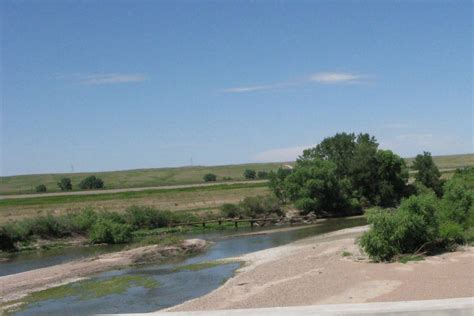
[[173, 176], [199, 199], [132, 178]]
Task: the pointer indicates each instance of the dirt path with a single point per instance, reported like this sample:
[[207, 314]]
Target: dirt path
[[16, 286], [105, 191], [314, 271]]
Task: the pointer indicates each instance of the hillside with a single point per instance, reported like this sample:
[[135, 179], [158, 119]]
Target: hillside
[[174, 176]]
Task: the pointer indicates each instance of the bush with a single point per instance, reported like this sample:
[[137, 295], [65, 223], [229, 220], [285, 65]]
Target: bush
[[406, 230], [65, 184], [261, 206], [226, 178], [91, 182], [7, 243], [83, 221], [232, 210], [262, 175], [109, 232], [428, 173], [41, 188], [250, 174], [209, 177]]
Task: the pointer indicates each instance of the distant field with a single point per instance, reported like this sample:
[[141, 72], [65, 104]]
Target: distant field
[[132, 178], [186, 199], [176, 176]]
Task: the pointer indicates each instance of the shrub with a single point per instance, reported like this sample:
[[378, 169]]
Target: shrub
[[226, 178], [209, 177], [41, 188], [109, 232], [48, 226], [91, 182], [258, 206], [428, 173], [406, 230], [232, 210], [65, 184], [250, 174], [83, 221], [7, 243], [262, 175]]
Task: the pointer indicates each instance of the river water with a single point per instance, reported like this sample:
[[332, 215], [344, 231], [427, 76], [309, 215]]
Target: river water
[[174, 287]]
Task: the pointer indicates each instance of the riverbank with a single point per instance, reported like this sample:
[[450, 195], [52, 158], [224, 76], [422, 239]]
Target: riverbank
[[17, 286], [329, 269]]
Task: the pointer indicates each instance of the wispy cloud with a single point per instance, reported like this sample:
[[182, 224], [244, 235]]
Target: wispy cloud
[[335, 77], [316, 78], [104, 78], [281, 154]]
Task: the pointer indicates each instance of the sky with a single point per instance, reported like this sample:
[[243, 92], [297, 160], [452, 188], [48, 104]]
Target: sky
[[112, 85]]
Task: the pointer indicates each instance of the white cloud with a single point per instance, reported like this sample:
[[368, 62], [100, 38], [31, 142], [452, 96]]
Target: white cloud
[[318, 78], [281, 154], [106, 78], [335, 77]]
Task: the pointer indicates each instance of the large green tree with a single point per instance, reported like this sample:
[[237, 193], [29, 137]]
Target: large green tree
[[428, 173]]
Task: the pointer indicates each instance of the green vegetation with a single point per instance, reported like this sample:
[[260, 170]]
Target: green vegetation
[[115, 228], [346, 254], [423, 222], [87, 289], [65, 184], [41, 188], [253, 207], [262, 175], [428, 173], [138, 178], [91, 182], [205, 265], [342, 175], [209, 177], [407, 258], [250, 174]]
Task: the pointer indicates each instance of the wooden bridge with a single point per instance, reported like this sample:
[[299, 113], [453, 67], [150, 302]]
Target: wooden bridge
[[236, 221]]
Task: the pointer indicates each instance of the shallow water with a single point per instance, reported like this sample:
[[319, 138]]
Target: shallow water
[[179, 286]]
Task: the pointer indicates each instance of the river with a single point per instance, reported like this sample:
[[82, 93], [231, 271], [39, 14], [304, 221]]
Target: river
[[175, 286]]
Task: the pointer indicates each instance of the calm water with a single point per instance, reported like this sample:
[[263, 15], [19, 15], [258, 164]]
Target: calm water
[[177, 287]]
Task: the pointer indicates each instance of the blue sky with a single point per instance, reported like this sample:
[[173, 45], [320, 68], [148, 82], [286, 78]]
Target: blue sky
[[108, 85]]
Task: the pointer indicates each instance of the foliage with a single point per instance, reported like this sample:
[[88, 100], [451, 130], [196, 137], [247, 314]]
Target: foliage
[[250, 174], [107, 231], [91, 182], [230, 210], [428, 173], [277, 183], [261, 206], [422, 222], [7, 243], [41, 188], [262, 175], [209, 177], [65, 184], [341, 175]]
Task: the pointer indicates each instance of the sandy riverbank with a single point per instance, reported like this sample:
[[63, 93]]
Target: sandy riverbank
[[313, 271], [16, 286]]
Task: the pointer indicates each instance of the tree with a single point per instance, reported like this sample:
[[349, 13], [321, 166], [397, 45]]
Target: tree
[[277, 183], [209, 177], [262, 175], [65, 184], [41, 188], [428, 173], [250, 174], [315, 187], [91, 182]]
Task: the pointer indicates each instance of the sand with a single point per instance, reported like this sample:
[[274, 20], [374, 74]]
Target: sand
[[313, 271]]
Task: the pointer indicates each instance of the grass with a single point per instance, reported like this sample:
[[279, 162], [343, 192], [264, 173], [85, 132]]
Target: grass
[[346, 254], [132, 178], [409, 257], [86, 289], [194, 199], [204, 265]]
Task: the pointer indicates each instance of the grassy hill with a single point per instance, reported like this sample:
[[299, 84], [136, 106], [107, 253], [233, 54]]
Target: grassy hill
[[171, 176]]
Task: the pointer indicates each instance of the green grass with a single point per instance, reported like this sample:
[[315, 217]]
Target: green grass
[[86, 289], [346, 254], [204, 265], [409, 257], [132, 178]]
